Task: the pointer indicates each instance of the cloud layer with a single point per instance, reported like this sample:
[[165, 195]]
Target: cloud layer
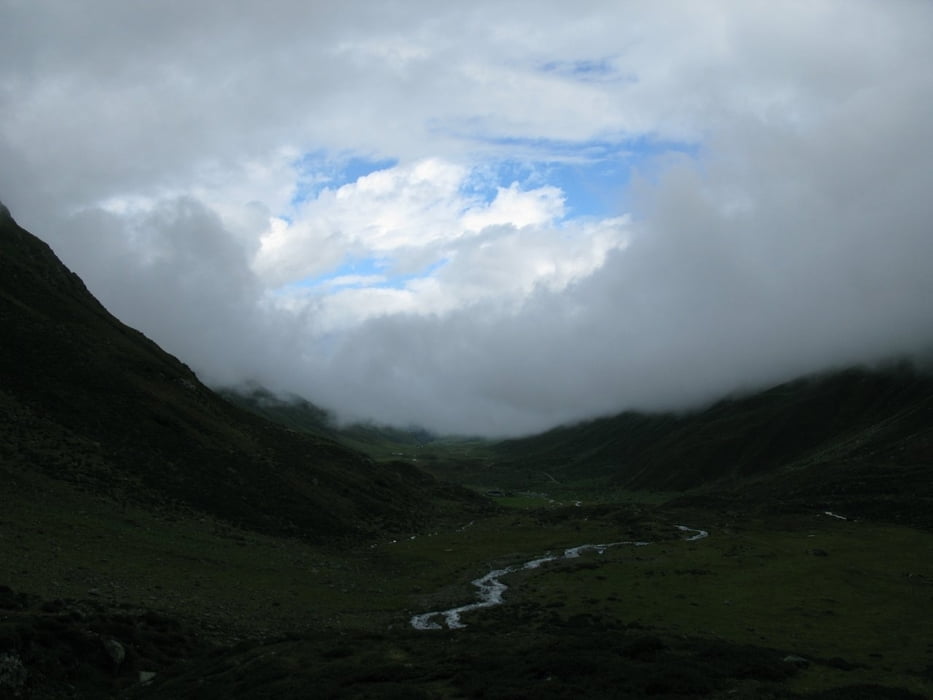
[[369, 205]]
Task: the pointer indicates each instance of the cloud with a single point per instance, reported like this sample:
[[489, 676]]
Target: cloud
[[375, 205], [439, 245], [399, 212]]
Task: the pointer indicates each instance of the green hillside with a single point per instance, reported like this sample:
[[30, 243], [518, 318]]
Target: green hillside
[[859, 440], [379, 442], [863, 433], [88, 400]]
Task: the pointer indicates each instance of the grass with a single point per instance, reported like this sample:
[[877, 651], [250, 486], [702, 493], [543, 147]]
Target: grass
[[819, 588], [706, 617], [522, 501], [860, 613], [66, 544], [854, 598]]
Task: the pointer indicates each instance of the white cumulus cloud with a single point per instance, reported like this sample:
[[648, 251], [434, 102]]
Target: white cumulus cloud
[[200, 168]]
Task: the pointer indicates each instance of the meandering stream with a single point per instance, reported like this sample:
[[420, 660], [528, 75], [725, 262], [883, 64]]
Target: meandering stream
[[491, 588]]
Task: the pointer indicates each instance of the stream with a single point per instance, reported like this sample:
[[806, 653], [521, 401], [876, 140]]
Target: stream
[[491, 588]]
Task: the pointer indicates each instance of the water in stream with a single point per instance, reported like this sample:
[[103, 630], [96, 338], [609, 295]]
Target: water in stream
[[491, 588]]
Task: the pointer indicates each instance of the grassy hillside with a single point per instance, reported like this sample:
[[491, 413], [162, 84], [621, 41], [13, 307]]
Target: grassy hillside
[[859, 440], [379, 442], [88, 400], [862, 433]]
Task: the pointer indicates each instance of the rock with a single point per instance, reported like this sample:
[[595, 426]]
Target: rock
[[797, 661], [115, 651], [818, 552], [146, 676], [13, 675]]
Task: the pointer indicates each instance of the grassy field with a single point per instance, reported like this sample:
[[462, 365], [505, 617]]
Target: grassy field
[[852, 598]]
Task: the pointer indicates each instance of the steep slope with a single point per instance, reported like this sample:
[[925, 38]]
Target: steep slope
[[860, 440], [86, 399], [859, 431], [378, 441]]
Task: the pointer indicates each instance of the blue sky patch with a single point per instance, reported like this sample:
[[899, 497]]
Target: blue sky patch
[[593, 175], [319, 170], [357, 267], [588, 70], [363, 272]]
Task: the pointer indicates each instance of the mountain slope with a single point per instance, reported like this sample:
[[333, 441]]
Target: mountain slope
[[859, 440], [378, 441], [865, 433], [86, 399]]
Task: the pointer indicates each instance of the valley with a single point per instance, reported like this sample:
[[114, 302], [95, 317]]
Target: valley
[[847, 602], [161, 540]]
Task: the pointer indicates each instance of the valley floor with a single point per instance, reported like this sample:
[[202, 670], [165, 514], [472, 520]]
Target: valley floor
[[780, 606]]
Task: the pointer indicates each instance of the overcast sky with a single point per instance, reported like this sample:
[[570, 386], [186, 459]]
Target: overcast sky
[[485, 217]]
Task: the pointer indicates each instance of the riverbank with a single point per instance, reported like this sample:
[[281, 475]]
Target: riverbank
[[491, 588]]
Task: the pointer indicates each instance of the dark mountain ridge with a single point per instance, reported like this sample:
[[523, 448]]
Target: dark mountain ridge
[[860, 438], [86, 399], [745, 436]]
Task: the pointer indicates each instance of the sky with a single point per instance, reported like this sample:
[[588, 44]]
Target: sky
[[489, 217]]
